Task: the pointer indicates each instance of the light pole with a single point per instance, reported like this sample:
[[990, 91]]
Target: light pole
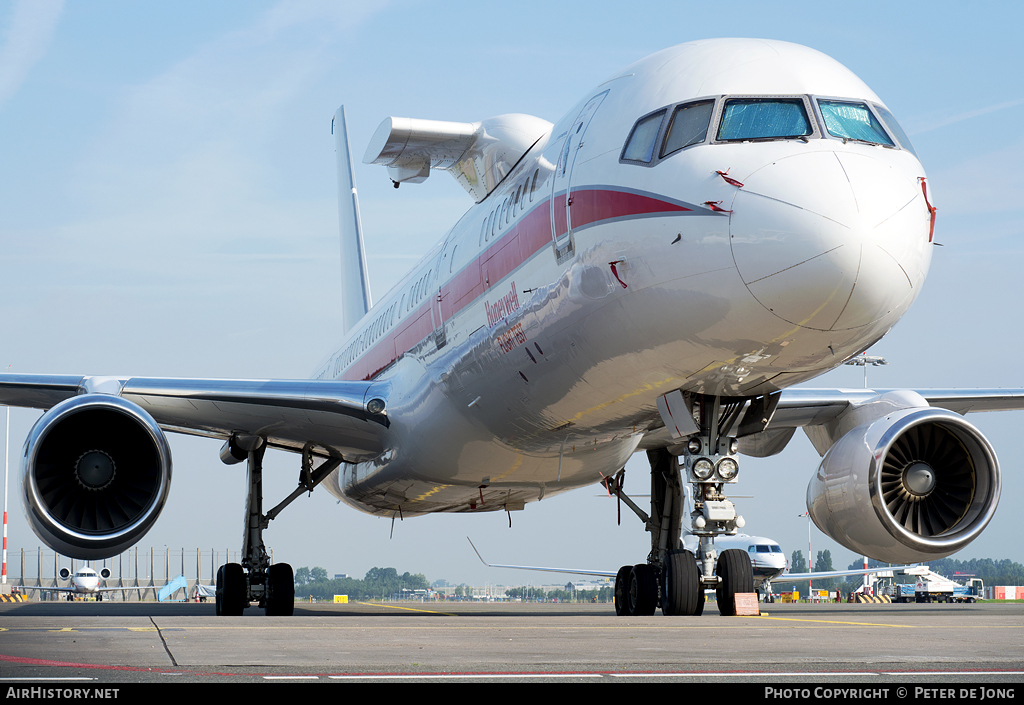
[[863, 360], [810, 585], [7, 446]]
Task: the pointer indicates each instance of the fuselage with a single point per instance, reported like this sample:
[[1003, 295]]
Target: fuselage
[[767, 561], [85, 581], [671, 231]]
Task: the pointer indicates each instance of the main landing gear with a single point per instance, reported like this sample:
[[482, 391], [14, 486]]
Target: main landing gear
[[674, 577], [255, 579]]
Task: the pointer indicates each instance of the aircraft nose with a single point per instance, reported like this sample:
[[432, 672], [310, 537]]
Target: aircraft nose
[[831, 240]]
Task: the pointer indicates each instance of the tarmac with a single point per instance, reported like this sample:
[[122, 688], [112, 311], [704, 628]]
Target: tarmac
[[118, 642]]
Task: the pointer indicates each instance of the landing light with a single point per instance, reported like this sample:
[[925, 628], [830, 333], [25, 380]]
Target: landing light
[[727, 468], [703, 468]]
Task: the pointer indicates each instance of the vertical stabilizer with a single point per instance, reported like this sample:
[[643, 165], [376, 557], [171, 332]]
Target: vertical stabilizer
[[355, 282]]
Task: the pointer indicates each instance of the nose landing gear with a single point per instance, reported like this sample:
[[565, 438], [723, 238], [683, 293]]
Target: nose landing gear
[[681, 575]]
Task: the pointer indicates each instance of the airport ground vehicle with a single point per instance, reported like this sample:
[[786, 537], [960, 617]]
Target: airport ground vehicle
[[932, 587]]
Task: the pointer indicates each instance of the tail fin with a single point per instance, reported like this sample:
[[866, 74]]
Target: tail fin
[[355, 282]]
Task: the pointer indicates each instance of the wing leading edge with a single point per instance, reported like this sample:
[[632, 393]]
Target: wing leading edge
[[806, 408], [290, 414]]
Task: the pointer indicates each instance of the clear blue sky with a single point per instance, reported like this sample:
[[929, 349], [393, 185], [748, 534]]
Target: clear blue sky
[[167, 208]]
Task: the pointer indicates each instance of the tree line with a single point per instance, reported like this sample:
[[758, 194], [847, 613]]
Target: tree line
[[531, 594], [378, 584]]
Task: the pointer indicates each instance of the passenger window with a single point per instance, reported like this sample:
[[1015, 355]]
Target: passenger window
[[763, 118], [895, 129], [640, 145], [852, 121], [689, 126], [534, 187]]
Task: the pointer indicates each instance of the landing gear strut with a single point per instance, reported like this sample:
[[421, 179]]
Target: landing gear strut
[[255, 579], [681, 575]]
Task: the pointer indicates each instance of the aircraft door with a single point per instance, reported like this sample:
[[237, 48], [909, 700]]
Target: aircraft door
[[440, 309], [561, 184]]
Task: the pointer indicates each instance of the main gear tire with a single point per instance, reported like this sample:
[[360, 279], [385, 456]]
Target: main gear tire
[[643, 591], [232, 591], [280, 591], [622, 590]]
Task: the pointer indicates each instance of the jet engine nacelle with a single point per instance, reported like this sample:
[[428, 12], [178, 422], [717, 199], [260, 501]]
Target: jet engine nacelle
[[915, 485], [95, 473], [64, 573]]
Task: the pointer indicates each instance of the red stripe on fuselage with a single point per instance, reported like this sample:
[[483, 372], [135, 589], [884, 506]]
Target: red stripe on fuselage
[[594, 205], [522, 239]]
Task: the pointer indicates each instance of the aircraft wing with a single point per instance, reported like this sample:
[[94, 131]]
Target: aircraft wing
[[798, 407], [800, 577], [810, 407], [291, 414], [47, 589]]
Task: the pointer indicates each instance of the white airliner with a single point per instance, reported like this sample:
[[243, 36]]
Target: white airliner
[[709, 227], [767, 562], [85, 581]]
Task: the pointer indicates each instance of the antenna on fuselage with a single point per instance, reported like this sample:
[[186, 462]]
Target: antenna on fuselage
[[355, 282]]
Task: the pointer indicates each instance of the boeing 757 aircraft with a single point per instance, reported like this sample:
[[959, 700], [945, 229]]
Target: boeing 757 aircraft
[[655, 272]]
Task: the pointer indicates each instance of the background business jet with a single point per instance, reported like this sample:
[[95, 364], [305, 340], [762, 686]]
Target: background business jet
[[85, 581]]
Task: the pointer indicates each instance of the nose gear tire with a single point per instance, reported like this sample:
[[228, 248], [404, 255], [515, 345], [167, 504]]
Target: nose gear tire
[[680, 585], [735, 575]]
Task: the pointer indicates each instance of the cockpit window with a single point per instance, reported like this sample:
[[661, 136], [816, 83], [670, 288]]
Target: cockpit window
[[763, 118], [776, 549], [853, 121], [640, 145], [895, 129], [761, 548], [689, 126]]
